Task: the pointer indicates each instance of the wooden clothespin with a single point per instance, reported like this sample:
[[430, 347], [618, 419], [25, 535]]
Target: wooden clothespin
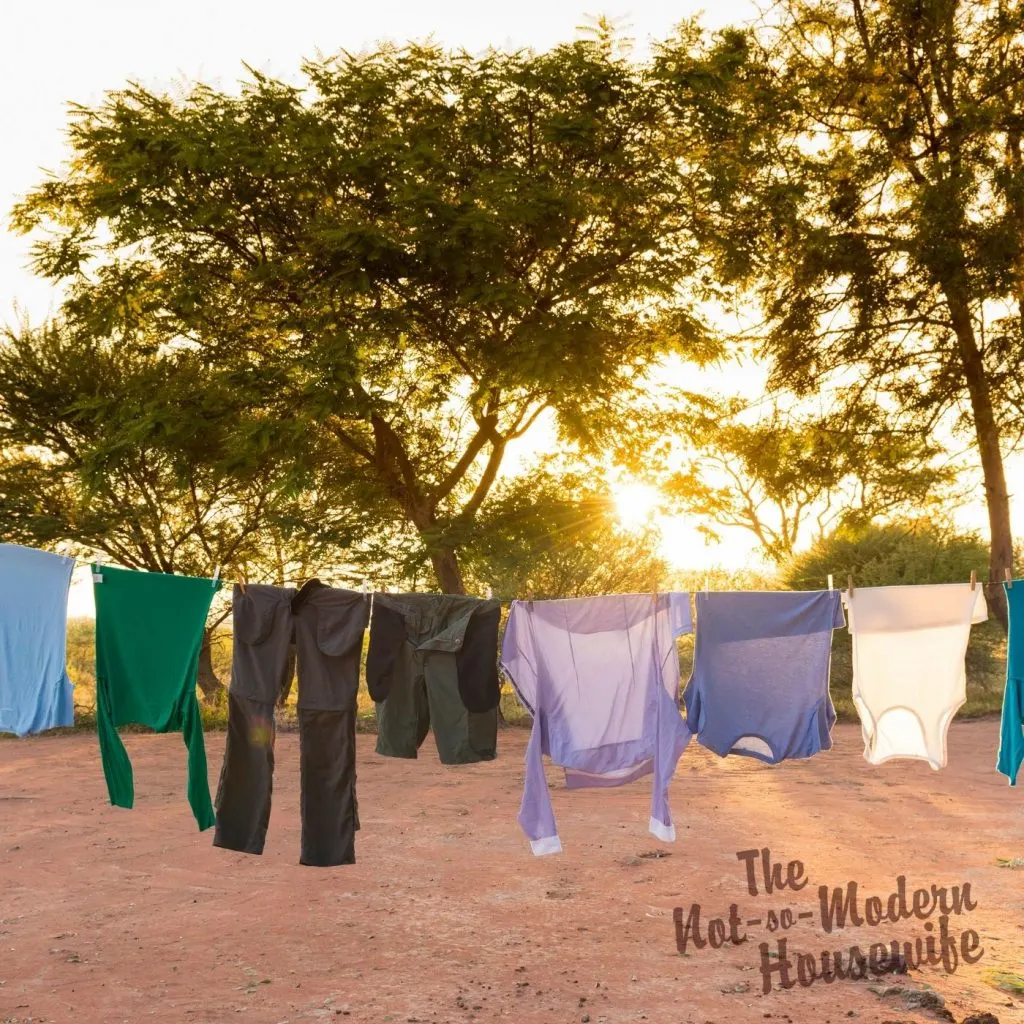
[[1008, 576], [830, 587], [849, 585], [974, 579]]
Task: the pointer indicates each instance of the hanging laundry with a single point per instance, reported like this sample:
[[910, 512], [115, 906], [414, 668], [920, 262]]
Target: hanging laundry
[[149, 631], [680, 614], [326, 626], [35, 692], [432, 662], [1011, 743], [600, 675], [909, 678], [760, 674]]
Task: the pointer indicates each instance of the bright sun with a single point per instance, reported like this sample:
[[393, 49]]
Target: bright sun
[[636, 504]]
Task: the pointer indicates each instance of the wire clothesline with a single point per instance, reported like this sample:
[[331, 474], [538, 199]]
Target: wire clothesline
[[100, 558]]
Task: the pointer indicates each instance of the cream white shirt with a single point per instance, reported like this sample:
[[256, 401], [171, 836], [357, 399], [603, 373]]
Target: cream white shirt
[[909, 678]]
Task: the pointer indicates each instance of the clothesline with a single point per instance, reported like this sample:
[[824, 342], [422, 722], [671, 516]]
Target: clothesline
[[100, 559]]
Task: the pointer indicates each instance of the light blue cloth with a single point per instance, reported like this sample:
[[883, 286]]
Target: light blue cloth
[[680, 614], [35, 692], [600, 675], [760, 675]]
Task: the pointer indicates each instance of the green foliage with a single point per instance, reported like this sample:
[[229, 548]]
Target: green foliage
[[397, 266], [895, 554], [116, 448], [864, 168]]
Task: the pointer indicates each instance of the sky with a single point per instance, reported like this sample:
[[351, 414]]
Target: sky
[[69, 51]]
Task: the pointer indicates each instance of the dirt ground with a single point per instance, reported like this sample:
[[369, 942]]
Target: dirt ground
[[115, 915]]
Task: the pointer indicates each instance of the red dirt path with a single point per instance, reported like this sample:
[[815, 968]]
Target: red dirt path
[[109, 915]]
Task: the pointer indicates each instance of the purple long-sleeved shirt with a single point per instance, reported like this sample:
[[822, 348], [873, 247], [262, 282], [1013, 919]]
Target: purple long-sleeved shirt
[[600, 676]]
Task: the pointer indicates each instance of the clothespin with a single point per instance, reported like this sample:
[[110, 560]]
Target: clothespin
[[365, 587], [1008, 576], [99, 557], [216, 576], [849, 585], [830, 587], [974, 579], [490, 593]]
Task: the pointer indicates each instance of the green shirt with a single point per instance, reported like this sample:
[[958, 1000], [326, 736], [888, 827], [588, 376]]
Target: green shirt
[[149, 631]]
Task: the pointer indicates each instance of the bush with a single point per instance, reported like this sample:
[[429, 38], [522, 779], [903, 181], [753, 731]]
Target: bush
[[895, 554]]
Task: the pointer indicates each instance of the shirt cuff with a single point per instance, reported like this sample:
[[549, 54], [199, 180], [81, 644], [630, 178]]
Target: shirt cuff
[[666, 833], [550, 844]]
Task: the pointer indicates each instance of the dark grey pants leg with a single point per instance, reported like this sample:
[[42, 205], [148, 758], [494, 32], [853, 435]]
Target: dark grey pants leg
[[327, 758], [246, 777]]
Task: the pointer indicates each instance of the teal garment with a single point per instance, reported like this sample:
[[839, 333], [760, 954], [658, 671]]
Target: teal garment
[[1011, 743], [149, 631]]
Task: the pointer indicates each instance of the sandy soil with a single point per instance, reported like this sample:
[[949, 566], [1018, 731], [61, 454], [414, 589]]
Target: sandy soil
[[114, 915]]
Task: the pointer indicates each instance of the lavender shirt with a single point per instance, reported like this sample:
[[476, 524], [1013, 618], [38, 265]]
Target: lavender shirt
[[600, 676], [760, 674]]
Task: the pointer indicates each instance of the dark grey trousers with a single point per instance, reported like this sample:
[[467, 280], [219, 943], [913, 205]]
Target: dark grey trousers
[[327, 630]]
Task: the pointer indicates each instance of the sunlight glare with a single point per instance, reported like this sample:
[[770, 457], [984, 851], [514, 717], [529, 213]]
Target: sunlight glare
[[635, 504]]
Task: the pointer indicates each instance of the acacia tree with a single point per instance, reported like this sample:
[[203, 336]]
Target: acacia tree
[[866, 160], [412, 256], [111, 448], [793, 478]]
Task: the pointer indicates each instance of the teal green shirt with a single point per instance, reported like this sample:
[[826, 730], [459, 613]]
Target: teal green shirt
[[149, 631], [1011, 744]]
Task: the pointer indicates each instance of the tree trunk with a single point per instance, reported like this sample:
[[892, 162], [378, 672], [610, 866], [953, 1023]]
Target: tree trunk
[[208, 682], [997, 499], [446, 568]]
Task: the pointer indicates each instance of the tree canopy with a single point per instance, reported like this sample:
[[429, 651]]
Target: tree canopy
[[334, 309], [792, 478], [112, 448], [404, 262], [867, 169]]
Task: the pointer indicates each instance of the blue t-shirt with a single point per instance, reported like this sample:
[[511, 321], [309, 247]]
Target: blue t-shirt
[[760, 675]]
